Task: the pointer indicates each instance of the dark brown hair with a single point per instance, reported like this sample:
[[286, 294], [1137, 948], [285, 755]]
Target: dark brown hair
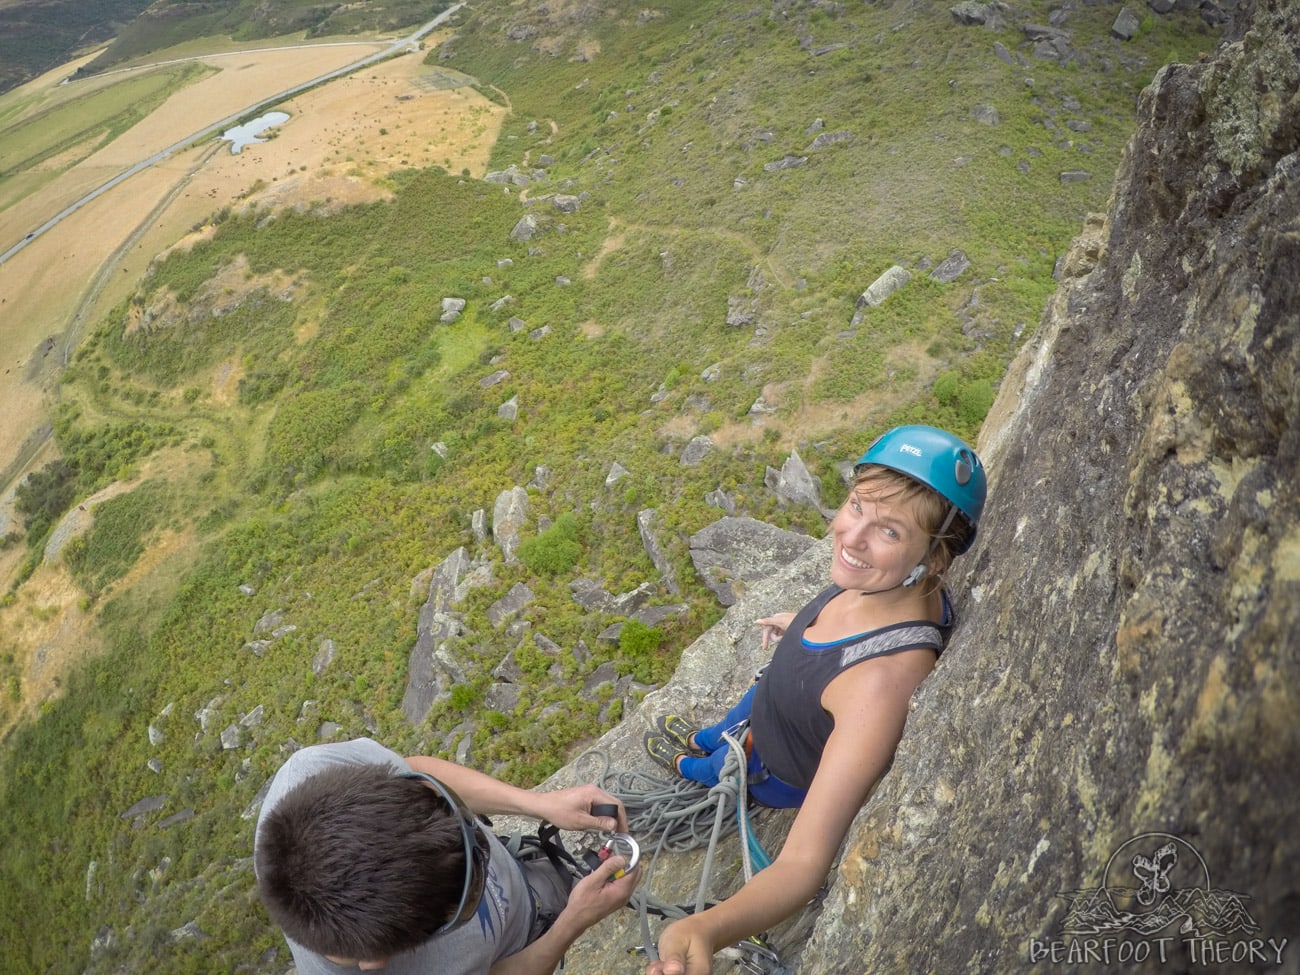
[[356, 862]]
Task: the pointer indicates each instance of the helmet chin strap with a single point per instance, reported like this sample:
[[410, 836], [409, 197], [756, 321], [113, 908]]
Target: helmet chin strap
[[920, 572]]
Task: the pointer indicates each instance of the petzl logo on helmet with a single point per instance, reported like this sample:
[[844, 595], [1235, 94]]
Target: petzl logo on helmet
[[1156, 903], [907, 448]]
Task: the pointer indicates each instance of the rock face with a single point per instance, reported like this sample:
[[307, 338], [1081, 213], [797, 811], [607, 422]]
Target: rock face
[[1128, 659], [1119, 704]]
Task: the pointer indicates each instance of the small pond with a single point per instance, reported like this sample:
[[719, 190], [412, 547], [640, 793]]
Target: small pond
[[247, 134]]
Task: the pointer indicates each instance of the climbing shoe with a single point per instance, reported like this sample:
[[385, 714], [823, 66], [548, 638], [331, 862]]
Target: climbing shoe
[[678, 731], [664, 752]]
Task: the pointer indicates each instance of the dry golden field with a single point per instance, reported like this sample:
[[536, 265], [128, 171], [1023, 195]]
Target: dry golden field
[[53, 290]]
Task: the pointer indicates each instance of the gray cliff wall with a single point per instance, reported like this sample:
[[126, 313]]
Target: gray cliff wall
[[1129, 655]]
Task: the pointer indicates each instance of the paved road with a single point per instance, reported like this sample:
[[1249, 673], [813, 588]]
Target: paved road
[[409, 41]]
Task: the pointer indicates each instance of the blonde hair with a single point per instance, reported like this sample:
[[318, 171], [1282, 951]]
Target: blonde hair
[[934, 513]]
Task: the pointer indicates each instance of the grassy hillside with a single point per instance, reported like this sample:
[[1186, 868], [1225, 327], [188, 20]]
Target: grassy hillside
[[37, 35], [170, 22], [314, 488]]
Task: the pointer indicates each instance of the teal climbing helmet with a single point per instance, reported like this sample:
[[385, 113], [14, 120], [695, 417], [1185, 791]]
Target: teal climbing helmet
[[940, 461]]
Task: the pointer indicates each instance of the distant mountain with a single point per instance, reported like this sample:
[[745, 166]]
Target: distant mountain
[[37, 35], [169, 22]]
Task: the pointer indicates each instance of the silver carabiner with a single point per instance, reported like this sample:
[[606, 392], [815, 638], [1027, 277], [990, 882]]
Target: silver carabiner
[[624, 844]]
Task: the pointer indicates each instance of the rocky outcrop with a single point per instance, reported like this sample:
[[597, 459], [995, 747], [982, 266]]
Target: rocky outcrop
[[1109, 744], [732, 553]]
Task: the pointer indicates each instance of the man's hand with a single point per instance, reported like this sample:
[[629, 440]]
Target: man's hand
[[594, 896], [571, 808], [683, 950], [598, 894]]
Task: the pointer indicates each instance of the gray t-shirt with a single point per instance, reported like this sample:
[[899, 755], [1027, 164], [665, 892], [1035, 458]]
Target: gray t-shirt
[[505, 914]]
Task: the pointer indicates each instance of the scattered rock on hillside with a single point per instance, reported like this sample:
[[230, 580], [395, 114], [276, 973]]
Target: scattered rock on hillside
[[508, 516], [526, 229], [794, 483], [785, 162], [734, 551], [451, 309], [510, 604], [971, 14], [951, 268], [1126, 25], [616, 473], [695, 451], [740, 312], [594, 598], [269, 621], [431, 670], [720, 499], [647, 524], [139, 810], [510, 176], [830, 139], [883, 287]]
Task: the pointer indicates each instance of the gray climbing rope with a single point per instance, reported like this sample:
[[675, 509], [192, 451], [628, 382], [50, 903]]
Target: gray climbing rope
[[678, 815]]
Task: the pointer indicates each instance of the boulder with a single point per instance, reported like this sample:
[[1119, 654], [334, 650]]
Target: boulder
[[451, 309], [510, 604], [794, 483], [951, 268], [883, 287], [732, 553], [508, 516], [695, 451], [647, 526]]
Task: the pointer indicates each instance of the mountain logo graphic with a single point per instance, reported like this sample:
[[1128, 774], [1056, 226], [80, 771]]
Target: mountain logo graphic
[[1157, 904], [1156, 883]]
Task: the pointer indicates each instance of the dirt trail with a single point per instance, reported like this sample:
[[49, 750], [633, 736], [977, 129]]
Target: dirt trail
[[618, 231]]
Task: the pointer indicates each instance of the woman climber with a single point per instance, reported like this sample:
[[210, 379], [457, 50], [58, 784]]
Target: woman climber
[[828, 711]]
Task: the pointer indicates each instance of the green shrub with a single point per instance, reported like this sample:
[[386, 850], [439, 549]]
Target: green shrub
[[638, 648], [555, 550]]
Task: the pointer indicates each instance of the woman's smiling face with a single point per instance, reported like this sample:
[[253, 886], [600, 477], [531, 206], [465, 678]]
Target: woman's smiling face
[[877, 541]]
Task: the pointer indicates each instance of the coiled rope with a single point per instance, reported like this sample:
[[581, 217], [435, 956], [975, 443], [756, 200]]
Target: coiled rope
[[681, 815]]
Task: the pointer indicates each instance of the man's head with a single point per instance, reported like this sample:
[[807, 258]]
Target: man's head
[[356, 862]]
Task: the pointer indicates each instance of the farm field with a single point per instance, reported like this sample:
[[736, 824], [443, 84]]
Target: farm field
[[332, 147]]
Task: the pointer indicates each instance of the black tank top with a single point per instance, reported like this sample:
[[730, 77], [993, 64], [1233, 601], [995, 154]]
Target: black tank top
[[789, 724]]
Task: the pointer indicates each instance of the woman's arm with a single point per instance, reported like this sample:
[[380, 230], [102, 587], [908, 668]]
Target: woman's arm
[[566, 808], [869, 704]]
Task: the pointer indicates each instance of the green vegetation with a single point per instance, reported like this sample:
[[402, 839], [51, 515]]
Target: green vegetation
[[286, 393], [122, 525], [173, 22], [89, 121], [36, 37], [555, 550]]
